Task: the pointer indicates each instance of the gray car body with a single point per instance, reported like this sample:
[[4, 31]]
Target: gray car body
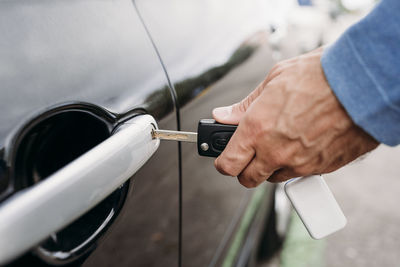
[[110, 61]]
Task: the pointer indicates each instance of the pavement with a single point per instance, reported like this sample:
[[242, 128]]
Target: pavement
[[368, 192]]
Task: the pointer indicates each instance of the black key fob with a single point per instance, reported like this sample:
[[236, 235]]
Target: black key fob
[[212, 137]]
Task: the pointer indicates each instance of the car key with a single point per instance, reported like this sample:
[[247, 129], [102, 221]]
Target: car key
[[211, 137], [310, 196]]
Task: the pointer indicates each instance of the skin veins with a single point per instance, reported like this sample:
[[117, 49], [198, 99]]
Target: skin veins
[[291, 125]]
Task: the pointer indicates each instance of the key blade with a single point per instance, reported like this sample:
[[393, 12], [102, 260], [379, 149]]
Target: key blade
[[174, 135]]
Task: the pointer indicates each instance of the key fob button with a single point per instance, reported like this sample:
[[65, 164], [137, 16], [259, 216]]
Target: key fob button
[[220, 140]]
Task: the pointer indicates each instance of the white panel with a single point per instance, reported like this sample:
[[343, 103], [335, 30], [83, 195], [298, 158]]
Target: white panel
[[316, 206]]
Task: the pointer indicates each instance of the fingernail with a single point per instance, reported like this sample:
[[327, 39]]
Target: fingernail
[[222, 112]]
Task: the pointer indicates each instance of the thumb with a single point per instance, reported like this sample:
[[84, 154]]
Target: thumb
[[233, 114]]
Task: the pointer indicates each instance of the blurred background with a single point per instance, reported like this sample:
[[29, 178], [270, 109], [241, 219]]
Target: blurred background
[[367, 189]]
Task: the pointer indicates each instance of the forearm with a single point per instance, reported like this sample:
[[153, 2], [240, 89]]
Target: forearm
[[363, 70]]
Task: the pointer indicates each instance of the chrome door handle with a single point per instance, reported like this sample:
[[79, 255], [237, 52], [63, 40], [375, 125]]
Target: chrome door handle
[[31, 215]]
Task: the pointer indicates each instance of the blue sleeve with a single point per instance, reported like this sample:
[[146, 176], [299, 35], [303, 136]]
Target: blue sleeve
[[363, 69]]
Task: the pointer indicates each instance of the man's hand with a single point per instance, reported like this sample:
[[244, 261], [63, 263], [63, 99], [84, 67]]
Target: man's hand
[[291, 125]]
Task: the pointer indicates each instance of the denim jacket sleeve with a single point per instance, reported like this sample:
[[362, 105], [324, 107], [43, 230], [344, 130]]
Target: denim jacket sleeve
[[363, 69]]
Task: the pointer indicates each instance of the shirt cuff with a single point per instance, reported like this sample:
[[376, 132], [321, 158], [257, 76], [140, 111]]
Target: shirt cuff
[[357, 90]]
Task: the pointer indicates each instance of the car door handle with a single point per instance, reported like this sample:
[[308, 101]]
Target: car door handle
[[33, 214]]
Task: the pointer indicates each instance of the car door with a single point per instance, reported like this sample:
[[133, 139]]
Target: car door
[[215, 53], [73, 75]]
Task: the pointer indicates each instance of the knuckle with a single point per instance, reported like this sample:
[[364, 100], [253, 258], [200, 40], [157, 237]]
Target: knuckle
[[244, 104], [224, 167], [252, 179], [260, 88], [259, 174], [247, 183]]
